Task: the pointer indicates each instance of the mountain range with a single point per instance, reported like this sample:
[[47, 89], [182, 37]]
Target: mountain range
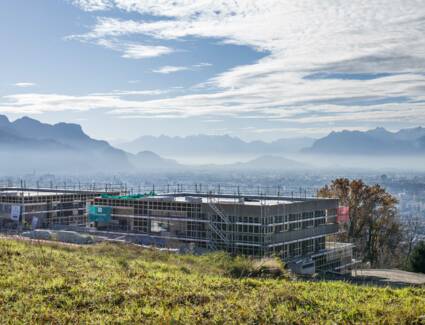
[[375, 142], [195, 145], [28, 145]]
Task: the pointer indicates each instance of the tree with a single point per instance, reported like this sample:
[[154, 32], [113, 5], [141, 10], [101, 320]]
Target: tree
[[373, 227], [411, 232], [417, 258]]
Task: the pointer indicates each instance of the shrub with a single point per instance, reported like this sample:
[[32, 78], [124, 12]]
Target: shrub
[[417, 258]]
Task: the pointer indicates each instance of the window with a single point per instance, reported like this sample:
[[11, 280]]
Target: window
[[294, 250]]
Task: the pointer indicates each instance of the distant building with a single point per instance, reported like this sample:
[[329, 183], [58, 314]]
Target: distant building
[[300, 230]]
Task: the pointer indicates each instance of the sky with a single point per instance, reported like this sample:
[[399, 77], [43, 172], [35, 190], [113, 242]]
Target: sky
[[257, 69]]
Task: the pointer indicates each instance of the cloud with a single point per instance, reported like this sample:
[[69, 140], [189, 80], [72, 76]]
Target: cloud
[[170, 69], [138, 51], [305, 131], [93, 5], [134, 50], [367, 59], [202, 65], [24, 84], [151, 92]]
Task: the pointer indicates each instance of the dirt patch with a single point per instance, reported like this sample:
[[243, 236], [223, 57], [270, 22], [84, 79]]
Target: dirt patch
[[390, 276]]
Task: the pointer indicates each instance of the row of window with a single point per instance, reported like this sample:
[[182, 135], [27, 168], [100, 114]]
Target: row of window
[[300, 248], [298, 225], [151, 205], [299, 216]]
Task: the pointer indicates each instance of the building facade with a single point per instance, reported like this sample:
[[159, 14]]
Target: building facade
[[300, 231], [33, 208]]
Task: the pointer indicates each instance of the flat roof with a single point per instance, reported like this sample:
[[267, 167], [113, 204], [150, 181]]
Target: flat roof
[[234, 200], [204, 198], [10, 191], [29, 193]]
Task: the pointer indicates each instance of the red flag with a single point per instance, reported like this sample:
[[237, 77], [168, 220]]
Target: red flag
[[343, 215]]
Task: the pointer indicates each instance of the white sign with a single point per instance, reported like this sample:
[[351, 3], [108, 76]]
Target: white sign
[[34, 222], [15, 212]]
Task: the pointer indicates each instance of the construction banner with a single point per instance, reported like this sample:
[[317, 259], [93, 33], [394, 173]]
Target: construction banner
[[99, 214]]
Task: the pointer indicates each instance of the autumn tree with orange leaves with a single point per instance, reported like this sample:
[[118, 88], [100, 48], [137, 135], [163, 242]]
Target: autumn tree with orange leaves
[[374, 227]]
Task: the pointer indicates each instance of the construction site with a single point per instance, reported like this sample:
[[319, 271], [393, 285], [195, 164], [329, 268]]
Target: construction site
[[44, 207], [299, 229]]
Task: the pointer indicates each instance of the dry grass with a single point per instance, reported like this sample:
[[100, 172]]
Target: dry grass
[[124, 285]]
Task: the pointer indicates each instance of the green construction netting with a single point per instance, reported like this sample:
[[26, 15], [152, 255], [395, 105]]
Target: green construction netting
[[128, 197]]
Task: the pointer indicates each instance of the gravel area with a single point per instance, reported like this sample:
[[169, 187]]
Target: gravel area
[[390, 276]]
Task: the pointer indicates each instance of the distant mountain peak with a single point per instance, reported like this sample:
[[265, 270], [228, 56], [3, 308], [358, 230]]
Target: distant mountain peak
[[27, 120], [147, 153], [4, 118], [378, 129], [378, 141]]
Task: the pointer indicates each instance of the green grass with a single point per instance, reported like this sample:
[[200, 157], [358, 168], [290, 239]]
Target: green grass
[[121, 284]]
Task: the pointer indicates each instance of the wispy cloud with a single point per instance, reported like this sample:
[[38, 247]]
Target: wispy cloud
[[134, 50], [202, 65], [170, 69], [150, 92], [378, 43], [93, 5], [24, 84]]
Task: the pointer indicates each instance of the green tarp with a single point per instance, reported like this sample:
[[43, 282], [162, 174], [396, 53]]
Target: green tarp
[[128, 197]]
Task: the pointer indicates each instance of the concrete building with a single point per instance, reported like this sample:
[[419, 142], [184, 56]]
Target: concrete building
[[36, 207], [299, 230]]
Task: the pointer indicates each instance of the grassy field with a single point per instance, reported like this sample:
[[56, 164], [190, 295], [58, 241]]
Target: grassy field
[[120, 284]]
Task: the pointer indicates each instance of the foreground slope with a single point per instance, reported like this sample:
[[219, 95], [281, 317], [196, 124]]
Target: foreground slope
[[121, 284]]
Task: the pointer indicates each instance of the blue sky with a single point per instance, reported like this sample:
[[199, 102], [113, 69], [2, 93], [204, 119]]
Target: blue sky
[[256, 69]]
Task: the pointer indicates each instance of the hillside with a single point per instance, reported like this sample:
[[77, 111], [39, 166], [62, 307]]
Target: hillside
[[266, 162], [120, 284], [148, 160]]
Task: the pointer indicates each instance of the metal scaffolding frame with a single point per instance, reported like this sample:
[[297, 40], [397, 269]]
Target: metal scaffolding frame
[[210, 217]]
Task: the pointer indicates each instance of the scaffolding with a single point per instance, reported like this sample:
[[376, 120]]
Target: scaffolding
[[256, 225], [256, 222], [46, 206]]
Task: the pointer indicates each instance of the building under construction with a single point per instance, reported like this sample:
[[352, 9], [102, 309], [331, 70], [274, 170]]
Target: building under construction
[[44, 207], [299, 230]]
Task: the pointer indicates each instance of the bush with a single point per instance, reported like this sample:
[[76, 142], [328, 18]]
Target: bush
[[417, 258]]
